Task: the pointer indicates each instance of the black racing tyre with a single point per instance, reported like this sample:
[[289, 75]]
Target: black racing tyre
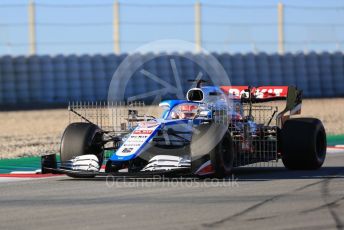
[[222, 157], [303, 143], [80, 139]]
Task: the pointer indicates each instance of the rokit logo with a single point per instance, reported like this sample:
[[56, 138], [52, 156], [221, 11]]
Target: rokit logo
[[237, 92], [259, 92], [276, 92]]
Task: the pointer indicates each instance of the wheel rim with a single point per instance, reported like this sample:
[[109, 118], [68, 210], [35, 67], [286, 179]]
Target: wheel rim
[[96, 148]]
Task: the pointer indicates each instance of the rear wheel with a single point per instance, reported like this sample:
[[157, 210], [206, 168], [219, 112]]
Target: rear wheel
[[80, 139], [303, 143]]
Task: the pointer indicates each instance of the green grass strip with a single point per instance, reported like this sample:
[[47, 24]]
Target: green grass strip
[[20, 164], [335, 140]]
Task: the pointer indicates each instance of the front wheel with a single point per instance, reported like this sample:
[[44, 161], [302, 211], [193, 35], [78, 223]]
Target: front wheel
[[81, 139]]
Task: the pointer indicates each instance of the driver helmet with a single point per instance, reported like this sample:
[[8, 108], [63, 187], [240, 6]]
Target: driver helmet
[[188, 111]]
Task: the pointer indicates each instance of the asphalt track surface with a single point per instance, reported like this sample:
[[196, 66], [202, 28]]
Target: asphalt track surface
[[257, 199]]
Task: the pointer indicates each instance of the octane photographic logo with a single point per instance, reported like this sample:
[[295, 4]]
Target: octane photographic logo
[[132, 78], [178, 182]]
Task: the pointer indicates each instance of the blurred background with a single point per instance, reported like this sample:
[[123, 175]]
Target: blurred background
[[53, 52], [232, 26]]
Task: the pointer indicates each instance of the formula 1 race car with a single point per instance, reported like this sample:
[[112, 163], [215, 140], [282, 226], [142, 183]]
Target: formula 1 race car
[[214, 130]]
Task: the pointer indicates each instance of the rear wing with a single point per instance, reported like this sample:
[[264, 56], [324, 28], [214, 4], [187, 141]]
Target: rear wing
[[248, 94]]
